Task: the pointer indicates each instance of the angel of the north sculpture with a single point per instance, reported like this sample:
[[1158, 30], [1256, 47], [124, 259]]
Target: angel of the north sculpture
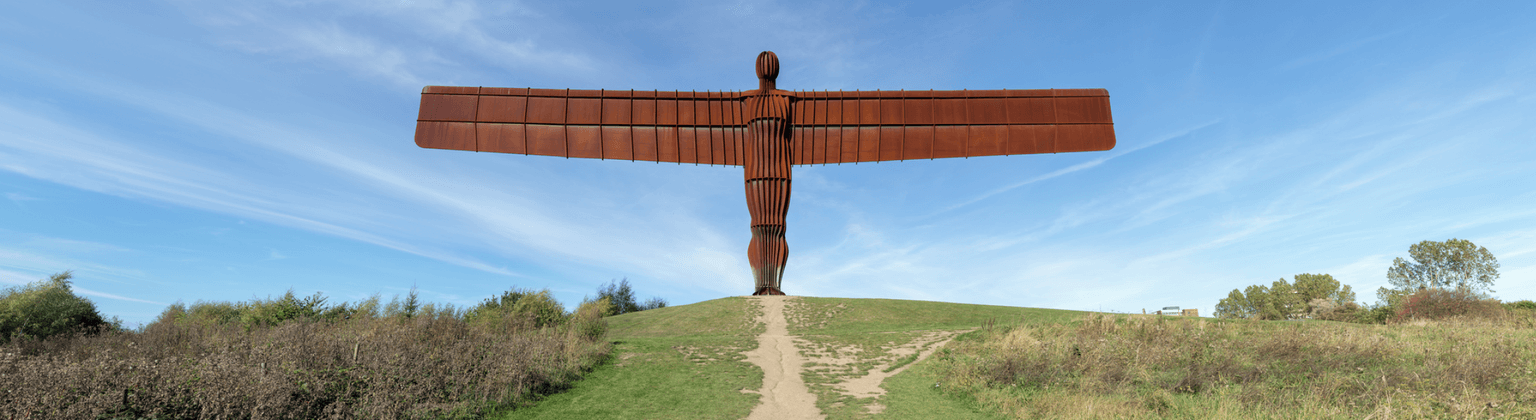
[[766, 131]]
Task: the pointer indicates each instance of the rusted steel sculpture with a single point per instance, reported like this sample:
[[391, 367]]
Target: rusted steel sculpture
[[766, 131]]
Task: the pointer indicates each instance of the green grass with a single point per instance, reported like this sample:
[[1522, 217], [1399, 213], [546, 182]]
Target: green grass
[[912, 395], [686, 361], [868, 330], [674, 362], [823, 316]]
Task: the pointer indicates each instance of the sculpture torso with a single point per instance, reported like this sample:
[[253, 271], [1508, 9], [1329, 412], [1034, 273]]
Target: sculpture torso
[[767, 173]]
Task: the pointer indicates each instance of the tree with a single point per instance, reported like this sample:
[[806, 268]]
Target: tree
[[1234, 306], [46, 308], [1311, 287], [620, 295], [1285, 300], [622, 298], [1455, 263]]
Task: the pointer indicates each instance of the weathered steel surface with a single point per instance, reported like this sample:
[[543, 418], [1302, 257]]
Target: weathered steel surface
[[766, 131]]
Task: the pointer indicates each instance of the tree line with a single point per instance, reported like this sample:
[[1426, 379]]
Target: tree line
[[1445, 278], [49, 307]]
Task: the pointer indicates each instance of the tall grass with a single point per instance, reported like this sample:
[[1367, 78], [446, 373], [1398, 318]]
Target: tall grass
[[297, 358], [1107, 366]]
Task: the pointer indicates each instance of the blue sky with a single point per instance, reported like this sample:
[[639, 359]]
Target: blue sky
[[220, 150]]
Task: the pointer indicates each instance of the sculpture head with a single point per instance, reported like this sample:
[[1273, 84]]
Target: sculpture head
[[767, 70]]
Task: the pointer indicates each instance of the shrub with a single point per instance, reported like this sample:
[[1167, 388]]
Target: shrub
[[214, 312], [1520, 305], [1328, 310], [313, 361], [1443, 303], [47, 308], [588, 318], [269, 312], [538, 309], [1378, 314], [259, 313]]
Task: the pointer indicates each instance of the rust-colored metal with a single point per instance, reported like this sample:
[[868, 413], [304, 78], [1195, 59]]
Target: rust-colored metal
[[766, 131]]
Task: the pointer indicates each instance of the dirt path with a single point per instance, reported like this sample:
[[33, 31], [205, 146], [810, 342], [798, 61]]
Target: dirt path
[[784, 395], [869, 385]]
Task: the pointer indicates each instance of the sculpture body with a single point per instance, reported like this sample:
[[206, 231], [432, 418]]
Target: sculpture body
[[766, 131]]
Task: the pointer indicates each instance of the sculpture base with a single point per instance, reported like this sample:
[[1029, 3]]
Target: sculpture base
[[768, 291]]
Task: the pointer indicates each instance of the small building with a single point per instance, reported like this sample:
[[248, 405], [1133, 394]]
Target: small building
[[1175, 311]]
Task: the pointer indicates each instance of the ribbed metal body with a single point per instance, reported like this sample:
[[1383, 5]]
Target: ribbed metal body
[[767, 173]]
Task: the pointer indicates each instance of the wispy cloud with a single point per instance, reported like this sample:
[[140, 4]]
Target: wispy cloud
[[19, 197], [42, 264], [1338, 50], [18, 278], [349, 34], [478, 212], [89, 292], [1077, 167]]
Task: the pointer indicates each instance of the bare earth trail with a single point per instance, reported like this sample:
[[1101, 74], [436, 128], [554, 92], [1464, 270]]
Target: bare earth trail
[[784, 395]]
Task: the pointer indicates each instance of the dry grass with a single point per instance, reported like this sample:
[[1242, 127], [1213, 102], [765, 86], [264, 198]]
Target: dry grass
[[1106, 366], [431, 365]]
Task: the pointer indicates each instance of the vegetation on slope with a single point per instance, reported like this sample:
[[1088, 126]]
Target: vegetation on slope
[[300, 358], [1106, 366]]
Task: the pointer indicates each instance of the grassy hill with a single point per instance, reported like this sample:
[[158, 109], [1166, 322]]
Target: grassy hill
[[686, 361]]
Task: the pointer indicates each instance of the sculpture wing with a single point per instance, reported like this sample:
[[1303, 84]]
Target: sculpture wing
[[658, 126], [848, 127]]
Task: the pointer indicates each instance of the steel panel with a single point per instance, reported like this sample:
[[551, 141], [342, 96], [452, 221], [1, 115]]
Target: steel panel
[[445, 135], [545, 140], [501, 138], [447, 108]]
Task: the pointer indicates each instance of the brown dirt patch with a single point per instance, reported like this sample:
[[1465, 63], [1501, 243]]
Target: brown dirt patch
[[784, 395]]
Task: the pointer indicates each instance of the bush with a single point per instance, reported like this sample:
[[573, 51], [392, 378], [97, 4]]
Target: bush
[[269, 312], [1443, 303], [301, 358], [46, 308], [259, 313], [1378, 314], [537, 309], [1327, 310], [1521, 305], [588, 318]]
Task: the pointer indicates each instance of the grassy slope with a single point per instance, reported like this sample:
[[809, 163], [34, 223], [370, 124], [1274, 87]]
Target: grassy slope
[[662, 367], [686, 362], [872, 326], [1151, 367]]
